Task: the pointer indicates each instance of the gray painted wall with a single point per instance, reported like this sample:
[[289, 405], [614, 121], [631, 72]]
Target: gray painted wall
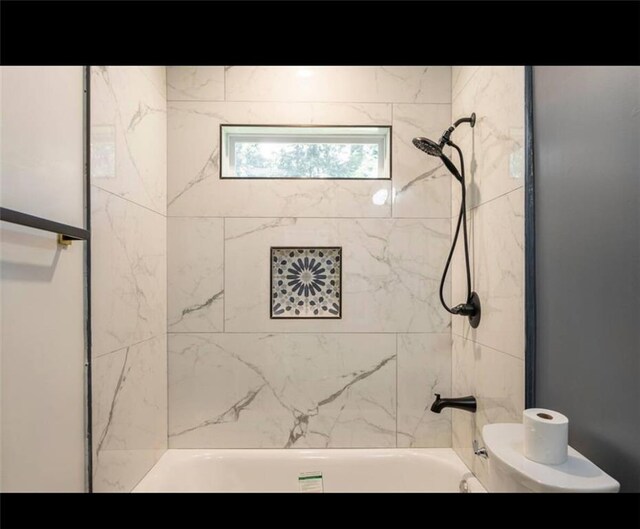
[[587, 170]]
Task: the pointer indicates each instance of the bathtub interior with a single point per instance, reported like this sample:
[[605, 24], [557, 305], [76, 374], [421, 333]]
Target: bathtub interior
[[342, 470]]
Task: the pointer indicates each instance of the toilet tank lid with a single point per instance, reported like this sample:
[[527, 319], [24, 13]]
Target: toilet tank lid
[[505, 442]]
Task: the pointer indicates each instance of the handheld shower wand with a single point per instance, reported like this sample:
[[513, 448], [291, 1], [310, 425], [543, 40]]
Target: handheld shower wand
[[471, 308]]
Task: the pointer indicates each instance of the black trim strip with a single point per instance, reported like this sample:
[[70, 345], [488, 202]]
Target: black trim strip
[[69, 233], [87, 275], [529, 246]]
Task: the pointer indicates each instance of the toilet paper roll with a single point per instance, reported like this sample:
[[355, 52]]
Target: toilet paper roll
[[546, 436]]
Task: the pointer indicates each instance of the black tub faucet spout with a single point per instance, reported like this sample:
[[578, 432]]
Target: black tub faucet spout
[[467, 403]]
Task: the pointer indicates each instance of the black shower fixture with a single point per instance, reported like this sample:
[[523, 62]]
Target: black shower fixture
[[472, 306]]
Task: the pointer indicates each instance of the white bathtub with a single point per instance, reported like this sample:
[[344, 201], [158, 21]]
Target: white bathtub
[[343, 470]]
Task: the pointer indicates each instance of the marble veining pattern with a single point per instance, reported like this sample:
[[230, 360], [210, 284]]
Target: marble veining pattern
[[237, 378], [282, 390], [401, 84], [424, 368], [195, 274], [421, 184], [391, 271], [194, 187], [129, 133], [195, 83], [494, 148], [488, 361], [497, 232], [497, 381], [130, 413], [129, 274]]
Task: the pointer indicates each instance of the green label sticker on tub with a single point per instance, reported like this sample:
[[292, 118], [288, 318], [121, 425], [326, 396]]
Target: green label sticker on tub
[[310, 482]]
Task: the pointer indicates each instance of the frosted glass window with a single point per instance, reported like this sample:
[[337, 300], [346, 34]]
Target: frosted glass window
[[305, 152]]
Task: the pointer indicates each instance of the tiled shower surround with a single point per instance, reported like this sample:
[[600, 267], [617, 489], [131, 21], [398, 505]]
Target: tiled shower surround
[[129, 273], [237, 377], [488, 362]]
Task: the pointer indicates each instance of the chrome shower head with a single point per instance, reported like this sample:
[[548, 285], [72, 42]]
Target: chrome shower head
[[428, 146]]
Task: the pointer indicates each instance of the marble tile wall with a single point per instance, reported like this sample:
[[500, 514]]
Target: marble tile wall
[[238, 378], [129, 273], [488, 362]]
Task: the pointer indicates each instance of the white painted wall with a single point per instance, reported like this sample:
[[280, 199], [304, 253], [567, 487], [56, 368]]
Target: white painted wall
[[42, 294]]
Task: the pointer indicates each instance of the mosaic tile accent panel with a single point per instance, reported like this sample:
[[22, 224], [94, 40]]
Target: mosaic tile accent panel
[[306, 282]]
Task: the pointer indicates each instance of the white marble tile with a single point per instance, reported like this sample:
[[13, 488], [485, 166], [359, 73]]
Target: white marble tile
[[463, 424], [497, 381], [195, 274], [497, 229], [129, 413], [494, 148], [398, 84], [282, 390], [195, 188], [391, 272], [129, 272], [195, 83], [458, 276], [424, 368], [421, 183], [460, 76], [129, 133]]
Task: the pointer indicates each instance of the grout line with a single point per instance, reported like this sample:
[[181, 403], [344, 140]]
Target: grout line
[[166, 200], [224, 268], [487, 346], [130, 201], [307, 332], [96, 356], [397, 381], [288, 102], [392, 198], [492, 199], [477, 69], [303, 218]]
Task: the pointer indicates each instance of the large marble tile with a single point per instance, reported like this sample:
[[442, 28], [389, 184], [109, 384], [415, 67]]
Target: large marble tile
[[129, 133], [282, 390], [195, 188], [460, 76], [494, 148], [195, 83], [129, 272], [391, 272], [399, 84], [497, 381], [195, 274], [497, 229], [129, 413], [421, 183], [424, 368]]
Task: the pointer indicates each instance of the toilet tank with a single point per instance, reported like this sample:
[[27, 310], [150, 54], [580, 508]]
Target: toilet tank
[[511, 471]]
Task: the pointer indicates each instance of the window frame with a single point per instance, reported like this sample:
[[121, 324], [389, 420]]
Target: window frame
[[381, 145]]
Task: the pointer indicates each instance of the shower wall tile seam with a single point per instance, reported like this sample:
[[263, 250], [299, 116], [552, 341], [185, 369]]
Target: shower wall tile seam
[[397, 407], [311, 102], [459, 92], [133, 202], [488, 201], [482, 344], [224, 274], [447, 333], [133, 344], [300, 217]]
